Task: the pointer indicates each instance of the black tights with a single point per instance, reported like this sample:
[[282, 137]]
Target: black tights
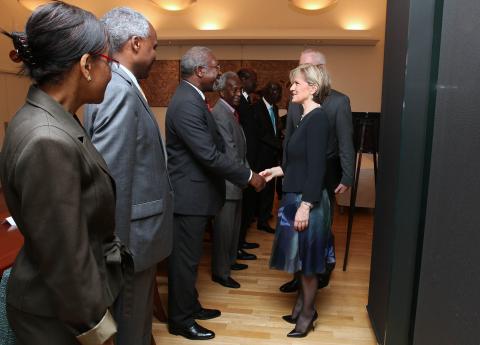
[[304, 308]]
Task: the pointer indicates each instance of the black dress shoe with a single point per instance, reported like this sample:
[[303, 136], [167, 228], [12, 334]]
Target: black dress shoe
[[243, 255], [266, 228], [193, 332], [229, 282], [249, 245], [206, 314], [297, 334], [238, 267], [290, 286]]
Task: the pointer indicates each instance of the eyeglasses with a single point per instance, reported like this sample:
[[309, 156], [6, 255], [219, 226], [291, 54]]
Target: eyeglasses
[[111, 61], [217, 67]]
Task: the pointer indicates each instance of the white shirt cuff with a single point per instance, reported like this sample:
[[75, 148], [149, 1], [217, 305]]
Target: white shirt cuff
[[99, 334], [251, 174]]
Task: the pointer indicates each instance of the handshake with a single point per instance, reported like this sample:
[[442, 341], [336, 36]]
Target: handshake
[[258, 181]]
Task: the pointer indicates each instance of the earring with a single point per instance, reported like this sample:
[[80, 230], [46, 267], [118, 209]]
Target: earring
[[89, 78]]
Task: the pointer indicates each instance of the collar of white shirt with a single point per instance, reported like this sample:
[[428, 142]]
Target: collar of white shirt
[[228, 105], [266, 103], [196, 88], [133, 78], [245, 94]]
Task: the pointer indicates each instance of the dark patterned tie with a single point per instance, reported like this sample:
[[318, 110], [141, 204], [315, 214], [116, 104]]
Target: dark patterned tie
[[237, 116]]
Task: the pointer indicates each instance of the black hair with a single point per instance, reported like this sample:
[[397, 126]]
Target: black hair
[[55, 38], [245, 73]]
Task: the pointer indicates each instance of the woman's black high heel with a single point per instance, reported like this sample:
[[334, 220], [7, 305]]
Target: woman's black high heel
[[297, 334], [293, 320]]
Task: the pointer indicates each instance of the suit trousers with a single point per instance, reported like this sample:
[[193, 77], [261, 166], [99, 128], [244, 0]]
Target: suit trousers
[[249, 205], [136, 328], [32, 329], [226, 230], [188, 232], [265, 203]]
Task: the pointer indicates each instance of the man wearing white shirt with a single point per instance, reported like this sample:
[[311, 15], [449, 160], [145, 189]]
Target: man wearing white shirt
[[124, 130]]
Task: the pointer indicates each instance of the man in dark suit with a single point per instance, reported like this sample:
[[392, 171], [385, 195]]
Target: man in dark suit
[[198, 166], [248, 77], [125, 132], [226, 228], [268, 148], [340, 153]]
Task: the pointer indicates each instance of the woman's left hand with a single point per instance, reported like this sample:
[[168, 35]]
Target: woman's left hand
[[301, 217]]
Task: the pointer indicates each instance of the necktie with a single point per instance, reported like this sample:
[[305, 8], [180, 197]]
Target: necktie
[[208, 105], [237, 116], [272, 118]]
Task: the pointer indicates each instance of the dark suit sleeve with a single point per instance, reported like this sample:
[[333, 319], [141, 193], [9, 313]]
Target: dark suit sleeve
[[344, 129], [113, 129], [191, 126], [317, 141], [48, 179]]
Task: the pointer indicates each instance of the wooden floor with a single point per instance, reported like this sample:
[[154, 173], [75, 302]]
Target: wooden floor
[[252, 314]]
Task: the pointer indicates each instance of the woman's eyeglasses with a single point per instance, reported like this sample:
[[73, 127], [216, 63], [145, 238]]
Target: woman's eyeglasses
[[111, 61]]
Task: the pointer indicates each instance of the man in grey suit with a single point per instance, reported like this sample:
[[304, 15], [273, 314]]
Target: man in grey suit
[[198, 166], [340, 153], [124, 130], [226, 228]]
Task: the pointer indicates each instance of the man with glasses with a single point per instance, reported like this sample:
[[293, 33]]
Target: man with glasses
[[124, 130], [198, 166]]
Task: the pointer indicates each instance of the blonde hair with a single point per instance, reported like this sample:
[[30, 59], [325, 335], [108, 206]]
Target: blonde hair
[[314, 76]]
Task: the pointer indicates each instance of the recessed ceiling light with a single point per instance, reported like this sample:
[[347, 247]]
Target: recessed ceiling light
[[174, 5], [313, 5]]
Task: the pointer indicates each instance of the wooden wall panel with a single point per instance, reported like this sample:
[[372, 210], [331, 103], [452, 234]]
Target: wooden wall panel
[[273, 70], [165, 76], [161, 82]]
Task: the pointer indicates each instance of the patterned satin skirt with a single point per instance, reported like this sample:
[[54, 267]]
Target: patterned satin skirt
[[305, 250]]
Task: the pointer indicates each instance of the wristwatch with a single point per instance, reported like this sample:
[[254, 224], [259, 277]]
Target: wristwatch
[[309, 205]]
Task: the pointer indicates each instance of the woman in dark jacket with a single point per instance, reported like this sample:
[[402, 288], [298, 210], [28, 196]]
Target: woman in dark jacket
[[57, 186], [304, 215]]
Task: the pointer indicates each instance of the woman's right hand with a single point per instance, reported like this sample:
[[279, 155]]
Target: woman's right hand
[[271, 173]]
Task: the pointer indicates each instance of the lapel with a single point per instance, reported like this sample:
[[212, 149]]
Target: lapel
[[127, 78], [211, 124], [68, 122], [267, 117]]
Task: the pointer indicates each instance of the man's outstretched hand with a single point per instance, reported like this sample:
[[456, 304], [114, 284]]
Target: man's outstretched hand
[[257, 182]]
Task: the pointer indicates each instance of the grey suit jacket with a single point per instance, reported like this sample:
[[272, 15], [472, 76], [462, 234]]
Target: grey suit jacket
[[235, 144], [125, 132], [340, 139], [197, 162], [59, 192]]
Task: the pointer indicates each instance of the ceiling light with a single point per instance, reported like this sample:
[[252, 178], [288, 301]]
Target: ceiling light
[[209, 26], [355, 26], [32, 4], [313, 5], [174, 5]]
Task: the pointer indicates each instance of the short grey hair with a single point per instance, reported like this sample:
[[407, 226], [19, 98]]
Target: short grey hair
[[222, 81], [194, 57], [122, 23], [318, 57]]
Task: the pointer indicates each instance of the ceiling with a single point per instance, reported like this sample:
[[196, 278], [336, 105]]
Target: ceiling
[[241, 19]]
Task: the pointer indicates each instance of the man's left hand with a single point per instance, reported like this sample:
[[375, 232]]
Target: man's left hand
[[341, 188]]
